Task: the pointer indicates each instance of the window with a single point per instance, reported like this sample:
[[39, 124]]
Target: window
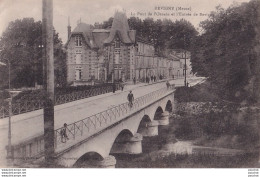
[[78, 41], [117, 44], [78, 57], [117, 57], [78, 74]]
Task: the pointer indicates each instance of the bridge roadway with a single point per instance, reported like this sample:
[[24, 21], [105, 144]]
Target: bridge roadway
[[29, 125]]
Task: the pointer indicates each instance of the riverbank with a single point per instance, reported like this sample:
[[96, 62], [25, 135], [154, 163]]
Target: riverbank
[[166, 151]]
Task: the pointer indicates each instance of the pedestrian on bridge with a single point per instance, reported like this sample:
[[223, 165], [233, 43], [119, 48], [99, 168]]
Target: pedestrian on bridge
[[63, 132], [130, 98]]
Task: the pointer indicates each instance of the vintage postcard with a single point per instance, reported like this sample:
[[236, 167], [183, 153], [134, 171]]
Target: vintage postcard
[[129, 84]]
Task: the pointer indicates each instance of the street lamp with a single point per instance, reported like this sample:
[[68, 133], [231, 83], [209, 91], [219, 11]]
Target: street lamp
[[9, 147]]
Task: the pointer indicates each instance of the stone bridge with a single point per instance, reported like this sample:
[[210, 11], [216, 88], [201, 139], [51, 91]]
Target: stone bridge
[[117, 130]]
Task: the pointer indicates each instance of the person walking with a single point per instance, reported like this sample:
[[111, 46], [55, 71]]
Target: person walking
[[134, 80], [63, 132], [114, 87], [130, 98], [122, 85]]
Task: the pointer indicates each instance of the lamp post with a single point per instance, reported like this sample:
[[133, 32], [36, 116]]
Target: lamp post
[[9, 146]]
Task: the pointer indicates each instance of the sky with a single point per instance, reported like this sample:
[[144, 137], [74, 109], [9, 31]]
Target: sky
[[91, 11]]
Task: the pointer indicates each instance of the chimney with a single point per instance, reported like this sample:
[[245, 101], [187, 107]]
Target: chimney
[[69, 28]]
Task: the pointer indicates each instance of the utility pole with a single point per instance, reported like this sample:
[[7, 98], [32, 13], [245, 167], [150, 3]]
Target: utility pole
[[48, 79], [9, 147], [185, 81]]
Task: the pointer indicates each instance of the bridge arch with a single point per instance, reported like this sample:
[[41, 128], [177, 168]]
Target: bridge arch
[[127, 142], [123, 136], [88, 160], [143, 123], [157, 113], [168, 106]]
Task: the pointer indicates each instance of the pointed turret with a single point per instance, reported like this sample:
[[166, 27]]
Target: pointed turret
[[69, 28], [119, 26]]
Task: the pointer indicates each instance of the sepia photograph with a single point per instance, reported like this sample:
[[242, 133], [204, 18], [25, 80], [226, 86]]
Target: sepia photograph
[[129, 84]]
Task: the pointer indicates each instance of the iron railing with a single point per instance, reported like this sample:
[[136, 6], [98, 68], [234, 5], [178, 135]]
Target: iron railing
[[84, 128], [28, 106]]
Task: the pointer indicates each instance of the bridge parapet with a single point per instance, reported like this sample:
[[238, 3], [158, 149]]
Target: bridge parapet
[[85, 128]]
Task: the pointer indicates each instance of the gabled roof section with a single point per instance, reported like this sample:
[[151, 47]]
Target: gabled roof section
[[119, 26], [86, 31]]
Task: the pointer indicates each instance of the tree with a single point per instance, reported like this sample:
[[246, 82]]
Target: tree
[[224, 52], [108, 23], [21, 45]]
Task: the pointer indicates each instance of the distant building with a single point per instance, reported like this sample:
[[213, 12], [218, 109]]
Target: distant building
[[178, 56], [117, 53]]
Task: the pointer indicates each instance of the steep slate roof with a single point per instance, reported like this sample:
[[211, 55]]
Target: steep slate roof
[[96, 38], [99, 36], [86, 31], [120, 27]]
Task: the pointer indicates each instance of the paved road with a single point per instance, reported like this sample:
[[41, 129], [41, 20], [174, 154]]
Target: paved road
[[28, 125]]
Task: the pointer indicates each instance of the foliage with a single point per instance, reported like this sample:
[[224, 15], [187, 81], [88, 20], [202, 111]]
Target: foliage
[[224, 52], [229, 129], [198, 93], [21, 45]]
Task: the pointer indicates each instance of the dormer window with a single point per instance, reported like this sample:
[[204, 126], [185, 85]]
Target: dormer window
[[117, 44], [78, 41]]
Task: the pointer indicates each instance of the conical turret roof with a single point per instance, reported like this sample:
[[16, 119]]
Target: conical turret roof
[[119, 26]]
